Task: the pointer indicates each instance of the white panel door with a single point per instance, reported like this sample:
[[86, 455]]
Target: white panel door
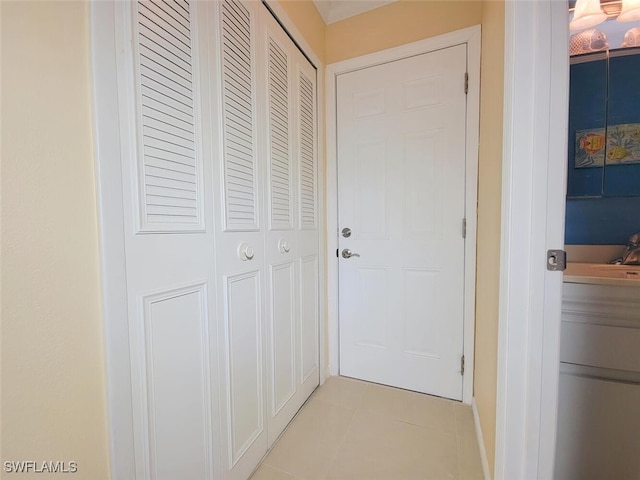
[[168, 229], [401, 170]]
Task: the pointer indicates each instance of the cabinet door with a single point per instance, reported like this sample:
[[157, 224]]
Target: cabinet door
[[598, 427]]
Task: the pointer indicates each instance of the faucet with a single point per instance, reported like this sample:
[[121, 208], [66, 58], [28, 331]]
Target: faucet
[[631, 254]]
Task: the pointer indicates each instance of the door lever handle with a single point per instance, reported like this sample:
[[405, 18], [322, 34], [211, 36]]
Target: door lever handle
[[346, 253]]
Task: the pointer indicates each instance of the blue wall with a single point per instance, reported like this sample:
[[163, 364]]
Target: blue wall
[[601, 221], [614, 216], [587, 110]]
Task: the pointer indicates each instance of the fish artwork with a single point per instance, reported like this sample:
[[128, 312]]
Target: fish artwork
[[623, 144], [591, 40], [631, 38], [590, 147]]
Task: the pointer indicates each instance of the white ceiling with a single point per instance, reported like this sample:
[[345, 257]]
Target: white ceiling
[[335, 10]]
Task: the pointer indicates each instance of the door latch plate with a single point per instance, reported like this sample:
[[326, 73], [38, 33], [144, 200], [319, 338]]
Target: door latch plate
[[556, 260]]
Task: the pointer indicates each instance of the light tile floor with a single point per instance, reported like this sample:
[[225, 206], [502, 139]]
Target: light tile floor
[[353, 430]]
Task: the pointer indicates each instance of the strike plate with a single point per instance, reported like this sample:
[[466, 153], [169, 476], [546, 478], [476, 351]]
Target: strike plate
[[556, 260]]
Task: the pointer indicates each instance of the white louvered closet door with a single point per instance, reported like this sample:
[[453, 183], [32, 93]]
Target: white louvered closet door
[[281, 241], [240, 252], [169, 242], [307, 221], [217, 116], [269, 302], [291, 241]]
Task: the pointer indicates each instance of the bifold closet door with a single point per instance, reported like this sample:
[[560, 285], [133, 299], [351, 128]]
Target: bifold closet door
[[281, 242], [268, 256], [307, 221], [292, 353], [240, 239], [217, 122], [169, 241]]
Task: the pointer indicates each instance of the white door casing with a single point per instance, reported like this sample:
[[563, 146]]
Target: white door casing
[[471, 38], [534, 172], [401, 170]]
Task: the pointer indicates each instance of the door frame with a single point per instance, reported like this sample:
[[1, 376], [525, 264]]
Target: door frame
[[110, 208], [534, 170], [471, 37]]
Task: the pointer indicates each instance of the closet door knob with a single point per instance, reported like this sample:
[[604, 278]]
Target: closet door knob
[[245, 252], [283, 246]]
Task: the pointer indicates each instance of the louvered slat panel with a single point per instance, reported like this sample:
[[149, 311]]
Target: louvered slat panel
[[239, 156], [279, 137], [308, 191], [170, 164]]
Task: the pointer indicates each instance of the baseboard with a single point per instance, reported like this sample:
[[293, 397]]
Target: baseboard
[[483, 452]]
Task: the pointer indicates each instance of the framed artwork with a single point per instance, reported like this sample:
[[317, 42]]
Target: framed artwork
[[623, 144]]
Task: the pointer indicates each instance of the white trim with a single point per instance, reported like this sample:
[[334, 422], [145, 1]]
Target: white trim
[[533, 189], [471, 37], [332, 225], [483, 451], [106, 133]]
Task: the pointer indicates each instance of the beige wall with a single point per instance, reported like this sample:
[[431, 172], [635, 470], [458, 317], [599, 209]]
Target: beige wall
[[411, 20], [308, 22], [489, 200], [397, 24], [53, 385], [53, 381]]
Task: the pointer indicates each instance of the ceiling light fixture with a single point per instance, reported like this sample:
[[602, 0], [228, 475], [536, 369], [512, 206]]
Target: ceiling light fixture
[[589, 13], [630, 11]]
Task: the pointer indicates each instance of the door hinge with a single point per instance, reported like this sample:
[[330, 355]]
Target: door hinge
[[462, 365], [464, 228], [466, 82]]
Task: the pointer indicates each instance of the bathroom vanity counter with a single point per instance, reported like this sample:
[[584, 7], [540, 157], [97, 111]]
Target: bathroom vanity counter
[[603, 274], [599, 384]]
